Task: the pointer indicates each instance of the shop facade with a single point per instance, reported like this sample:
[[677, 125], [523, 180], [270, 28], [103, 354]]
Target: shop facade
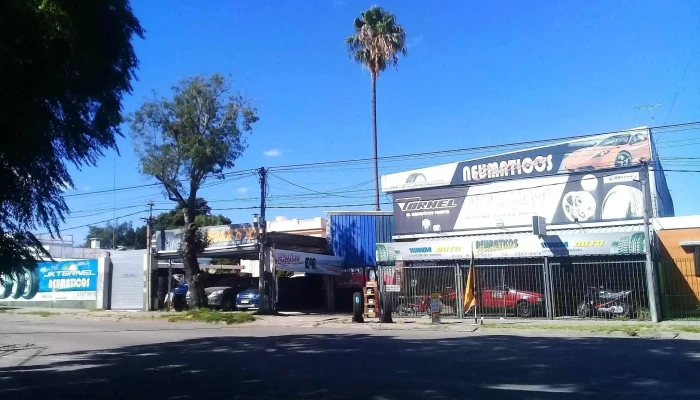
[[541, 226], [298, 270]]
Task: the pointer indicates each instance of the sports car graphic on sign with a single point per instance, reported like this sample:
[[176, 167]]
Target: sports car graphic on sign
[[618, 151]]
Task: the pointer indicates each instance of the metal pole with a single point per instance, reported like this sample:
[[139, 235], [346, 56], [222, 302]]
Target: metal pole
[[651, 278], [548, 288], [460, 290], [262, 242], [149, 275], [170, 284]]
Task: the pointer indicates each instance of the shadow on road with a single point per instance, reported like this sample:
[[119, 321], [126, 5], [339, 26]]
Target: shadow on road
[[366, 367]]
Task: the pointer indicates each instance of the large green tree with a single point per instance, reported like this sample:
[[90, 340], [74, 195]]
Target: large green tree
[[64, 67], [184, 140], [121, 234], [376, 44]]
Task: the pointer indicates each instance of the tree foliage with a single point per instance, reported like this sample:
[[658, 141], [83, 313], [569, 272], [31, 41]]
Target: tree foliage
[[378, 40], [65, 66], [185, 140], [124, 235]]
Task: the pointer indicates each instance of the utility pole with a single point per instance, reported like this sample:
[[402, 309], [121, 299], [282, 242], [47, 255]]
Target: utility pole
[[262, 240], [148, 304], [650, 273]]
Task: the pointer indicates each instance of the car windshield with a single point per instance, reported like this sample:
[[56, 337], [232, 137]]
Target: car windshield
[[615, 140]]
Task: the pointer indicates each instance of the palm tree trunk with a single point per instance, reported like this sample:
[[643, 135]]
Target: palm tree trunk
[[374, 137]]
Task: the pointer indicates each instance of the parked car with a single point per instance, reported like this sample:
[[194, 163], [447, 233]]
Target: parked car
[[247, 299], [220, 296], [621, 150], [522, 303], [223, 295]]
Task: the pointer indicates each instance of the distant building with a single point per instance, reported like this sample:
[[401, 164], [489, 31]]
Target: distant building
[[63, 248]]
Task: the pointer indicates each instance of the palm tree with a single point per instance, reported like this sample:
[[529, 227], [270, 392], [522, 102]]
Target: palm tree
[[377, 42]]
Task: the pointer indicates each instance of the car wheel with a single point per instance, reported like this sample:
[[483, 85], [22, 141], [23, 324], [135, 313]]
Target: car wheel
[[31, 286], [19, 284], [226, 305], [6, 284], [623, 159], [523, 309]]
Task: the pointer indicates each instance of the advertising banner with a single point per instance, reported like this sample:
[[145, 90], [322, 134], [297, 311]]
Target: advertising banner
[[217, 236], [294, 261], [603, 152], [515, 246], [562, 199], [50, 281]]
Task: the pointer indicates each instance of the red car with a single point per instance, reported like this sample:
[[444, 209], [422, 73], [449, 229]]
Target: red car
[[621, 150], [519, 302], [522, 303]]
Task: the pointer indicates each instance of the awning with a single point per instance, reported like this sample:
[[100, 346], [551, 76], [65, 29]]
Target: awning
[[618, 240]]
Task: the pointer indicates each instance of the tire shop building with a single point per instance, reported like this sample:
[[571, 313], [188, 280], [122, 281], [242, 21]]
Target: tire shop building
[[588, 197]]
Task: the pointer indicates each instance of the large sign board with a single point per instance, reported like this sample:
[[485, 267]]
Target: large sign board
[[217, 236], [515, 246], [295, 261], [560, 199], [602, 152], [50, 281]]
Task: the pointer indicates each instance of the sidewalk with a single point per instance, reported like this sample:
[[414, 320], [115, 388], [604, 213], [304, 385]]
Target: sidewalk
[[570, 327]]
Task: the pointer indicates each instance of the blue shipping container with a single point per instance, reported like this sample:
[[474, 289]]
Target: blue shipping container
[[354, 236]]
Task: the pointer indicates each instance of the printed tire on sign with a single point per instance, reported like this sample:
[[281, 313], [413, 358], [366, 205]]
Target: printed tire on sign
[[630, 244], [415, 178], [6, 283], [31, 286], [19, 284], [385, 253]]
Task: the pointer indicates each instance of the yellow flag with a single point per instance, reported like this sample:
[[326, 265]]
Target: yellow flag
[[469, 295]]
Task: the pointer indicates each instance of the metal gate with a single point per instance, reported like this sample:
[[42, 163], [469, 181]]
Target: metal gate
[[127, 283], [408, 288], [508, 288], [679, 281], [599, 288]]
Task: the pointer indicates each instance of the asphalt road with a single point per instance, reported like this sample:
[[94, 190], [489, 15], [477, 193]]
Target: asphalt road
[[80, 359]]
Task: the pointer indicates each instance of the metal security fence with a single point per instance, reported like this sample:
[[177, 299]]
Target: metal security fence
[[599, 288], [508, 288], [409, 287], [679, 287], [534, 288]]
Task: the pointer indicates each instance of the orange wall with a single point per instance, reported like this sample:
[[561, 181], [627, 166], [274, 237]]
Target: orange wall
[[679, 261]]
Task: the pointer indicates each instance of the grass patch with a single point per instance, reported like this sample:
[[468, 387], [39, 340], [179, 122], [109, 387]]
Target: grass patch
[[40, 313], [212, 317], [632, 330]]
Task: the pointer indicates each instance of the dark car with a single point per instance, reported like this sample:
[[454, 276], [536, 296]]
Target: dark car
[[221, 295], [247, 299]]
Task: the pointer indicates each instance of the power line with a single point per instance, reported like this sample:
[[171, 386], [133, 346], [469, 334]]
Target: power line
[[96, 223]]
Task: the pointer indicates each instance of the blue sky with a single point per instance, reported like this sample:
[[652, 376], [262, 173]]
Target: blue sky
[[476, 74]]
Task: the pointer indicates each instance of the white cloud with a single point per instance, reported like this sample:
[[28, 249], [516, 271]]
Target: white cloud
[[242, 189], [414, 42], [338, 3], [272, 153]]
